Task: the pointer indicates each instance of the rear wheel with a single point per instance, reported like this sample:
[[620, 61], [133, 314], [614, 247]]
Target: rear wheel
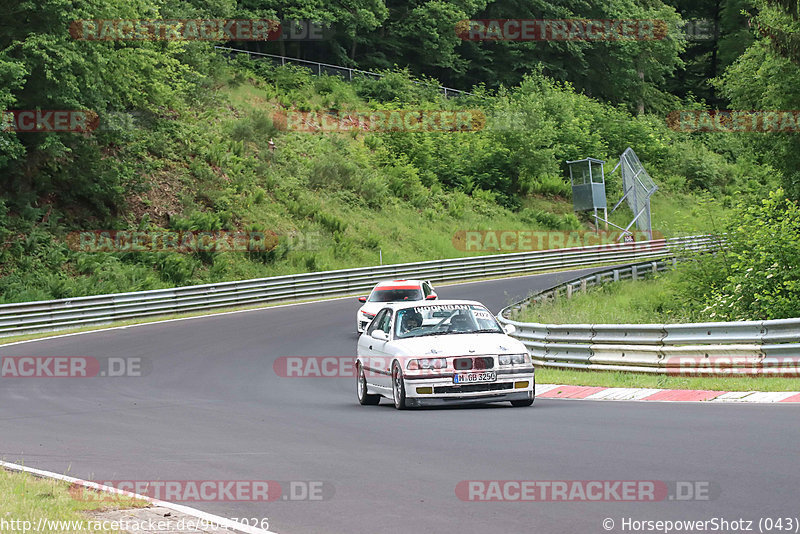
[[398, 388], [364, 398]]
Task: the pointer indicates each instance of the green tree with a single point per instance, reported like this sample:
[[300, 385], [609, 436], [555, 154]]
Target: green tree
[[45, 67], [766, 77]]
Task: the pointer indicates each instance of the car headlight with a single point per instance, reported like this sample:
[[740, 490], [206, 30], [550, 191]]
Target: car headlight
[[519, 359], [427, 363], [367, 314], [513, 359]]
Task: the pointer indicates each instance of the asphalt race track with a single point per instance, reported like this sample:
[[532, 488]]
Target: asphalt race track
[[212, 408]]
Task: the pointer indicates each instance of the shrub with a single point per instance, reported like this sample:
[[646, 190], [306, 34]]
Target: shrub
[[756, 276]]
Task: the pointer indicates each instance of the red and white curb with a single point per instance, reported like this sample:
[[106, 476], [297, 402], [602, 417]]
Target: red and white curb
[[199, 514], [557, 391]]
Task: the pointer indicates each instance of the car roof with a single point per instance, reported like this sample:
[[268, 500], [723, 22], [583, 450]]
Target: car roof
[[414, 304], [399, 284]]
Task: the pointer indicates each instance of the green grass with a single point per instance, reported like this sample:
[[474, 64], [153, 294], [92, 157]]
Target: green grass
[[619, 379], [28, 498], [323, 224], [626, 302], [676, 213], [641, 302], [338, 200]]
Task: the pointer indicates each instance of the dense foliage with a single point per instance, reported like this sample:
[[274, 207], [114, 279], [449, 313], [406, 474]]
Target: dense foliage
[[754, 276], [757, 275], [183, 142]]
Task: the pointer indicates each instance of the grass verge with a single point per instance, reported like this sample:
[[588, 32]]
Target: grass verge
[[655, 300], [619, 379], [27, 500], [646, 301]]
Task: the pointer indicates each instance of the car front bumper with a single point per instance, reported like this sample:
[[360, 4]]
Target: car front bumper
[[433, 400], [509, 386]]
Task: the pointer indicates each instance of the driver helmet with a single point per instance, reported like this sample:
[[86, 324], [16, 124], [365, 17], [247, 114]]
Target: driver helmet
[[411, 319]]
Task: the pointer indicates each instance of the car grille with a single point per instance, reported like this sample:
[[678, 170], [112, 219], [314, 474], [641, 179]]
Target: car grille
[[465, 364], [469, 388]]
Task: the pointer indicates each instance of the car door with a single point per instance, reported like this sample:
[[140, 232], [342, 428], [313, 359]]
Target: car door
[[378, 348], [372, 351]]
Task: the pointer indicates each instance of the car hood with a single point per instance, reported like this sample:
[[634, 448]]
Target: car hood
[[459, 345]]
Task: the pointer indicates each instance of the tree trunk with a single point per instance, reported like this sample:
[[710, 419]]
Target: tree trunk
[[641, 93]]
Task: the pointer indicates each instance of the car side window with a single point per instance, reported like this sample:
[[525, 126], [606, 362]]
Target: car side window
[[426, 289], [386, 322], [376, 322], [382, 321]]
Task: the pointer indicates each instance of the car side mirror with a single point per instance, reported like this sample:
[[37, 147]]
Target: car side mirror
[[362, 299], [380, 334], [509, 329], [432, 296]]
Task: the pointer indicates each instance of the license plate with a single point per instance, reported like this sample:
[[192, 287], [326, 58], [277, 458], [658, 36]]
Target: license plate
[[471, 378]]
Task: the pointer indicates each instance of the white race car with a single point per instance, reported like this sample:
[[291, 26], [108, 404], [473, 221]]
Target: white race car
[[391, 291], [445, 352]]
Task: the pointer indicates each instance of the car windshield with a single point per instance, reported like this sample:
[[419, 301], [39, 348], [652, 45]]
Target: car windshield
[[444, 319], [395, 295]]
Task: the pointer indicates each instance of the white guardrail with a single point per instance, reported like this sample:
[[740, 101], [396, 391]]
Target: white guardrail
[[763, 348], [42, 316]]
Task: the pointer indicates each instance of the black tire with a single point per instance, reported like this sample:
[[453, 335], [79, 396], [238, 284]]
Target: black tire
[[364, 398], [525, 402], [398, 387]]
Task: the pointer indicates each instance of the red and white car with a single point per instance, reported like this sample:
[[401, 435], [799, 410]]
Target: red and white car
[[391, 291]]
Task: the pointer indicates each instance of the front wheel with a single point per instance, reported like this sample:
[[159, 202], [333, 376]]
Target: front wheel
[[524, 402], [364, 398], [398, 387]]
